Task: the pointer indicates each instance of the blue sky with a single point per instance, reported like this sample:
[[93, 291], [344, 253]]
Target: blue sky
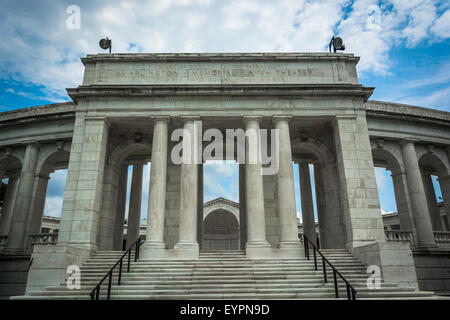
[[403, 45]]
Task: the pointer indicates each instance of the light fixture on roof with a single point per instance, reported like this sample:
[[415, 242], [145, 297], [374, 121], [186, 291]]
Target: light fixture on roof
[[337, 44], [105, 44]]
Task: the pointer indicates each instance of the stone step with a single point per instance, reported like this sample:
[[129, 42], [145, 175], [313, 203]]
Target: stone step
[[226, 275], [219, 268], [148, 290], [360, 287]]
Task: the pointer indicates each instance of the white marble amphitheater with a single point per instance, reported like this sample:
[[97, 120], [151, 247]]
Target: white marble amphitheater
[[125, 113]]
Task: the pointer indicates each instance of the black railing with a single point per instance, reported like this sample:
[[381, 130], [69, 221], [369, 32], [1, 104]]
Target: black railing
[[351, 292], [95, 293]]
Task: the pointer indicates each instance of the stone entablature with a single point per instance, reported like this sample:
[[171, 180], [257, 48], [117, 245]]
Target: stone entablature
[[374, 107], [222, 69], [37, 112]]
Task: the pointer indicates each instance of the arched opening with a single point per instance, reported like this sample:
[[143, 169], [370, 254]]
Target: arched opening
[[436, 182], [220, 231], [125, 199], [319, 199], [53, 174], [392, 188]]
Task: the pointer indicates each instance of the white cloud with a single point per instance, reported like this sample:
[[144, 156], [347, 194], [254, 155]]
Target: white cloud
[[384, 212], [53, 206], [441, 27], [38, 49], [381, 178]]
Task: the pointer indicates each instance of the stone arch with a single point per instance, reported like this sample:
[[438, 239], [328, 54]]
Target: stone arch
[[436, 161], [316, 147], [52, 157], [332, 232], [221, 205], [220, 230], [391, 156], [433, 162], [388, 155], [120, 152], [112, 215], [10, 160]]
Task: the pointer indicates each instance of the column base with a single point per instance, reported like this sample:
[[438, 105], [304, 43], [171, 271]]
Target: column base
[[291, 250], [185, 251], [153, 250], [258, 250]]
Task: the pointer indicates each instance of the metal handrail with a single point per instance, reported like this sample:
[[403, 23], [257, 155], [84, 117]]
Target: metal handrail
[[95, 293], [351, 292]]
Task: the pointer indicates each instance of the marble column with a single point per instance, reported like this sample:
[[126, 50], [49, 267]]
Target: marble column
[[285, 189], [425, 236], [187, 244], [402, 198], [154, 242], [134, 209], [200, 207], [321, 207], [24, 194], [257, 245], [8, 207], [120, 208], [433, 207], [242, 208], [309, 226]]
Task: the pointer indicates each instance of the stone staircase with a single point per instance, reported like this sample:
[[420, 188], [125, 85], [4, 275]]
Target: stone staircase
[[227, 275]]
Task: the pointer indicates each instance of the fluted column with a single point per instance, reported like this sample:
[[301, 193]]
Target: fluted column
[[285, 187], [134, 209], [309, 226], [321, 207], [187, 234], [417, 194], [256, 225], [24, 195], [120, 208], [157, 192]]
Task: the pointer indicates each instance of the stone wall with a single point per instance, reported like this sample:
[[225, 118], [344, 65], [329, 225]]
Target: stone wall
[[433, 270], [13, 275]]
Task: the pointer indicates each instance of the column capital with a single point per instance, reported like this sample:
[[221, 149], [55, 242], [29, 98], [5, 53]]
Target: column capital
[[277, 118], [137, 161], [98, 118], [246, 119], [185, 119], [33, 144], [42, 176], [165, 119], [408, 141], [425, 170]]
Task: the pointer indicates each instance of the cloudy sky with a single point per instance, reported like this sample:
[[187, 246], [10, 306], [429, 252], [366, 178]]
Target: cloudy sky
[[403, 44]]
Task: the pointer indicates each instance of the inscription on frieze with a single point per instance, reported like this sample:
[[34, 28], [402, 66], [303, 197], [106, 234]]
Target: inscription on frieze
[[214, 73]]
